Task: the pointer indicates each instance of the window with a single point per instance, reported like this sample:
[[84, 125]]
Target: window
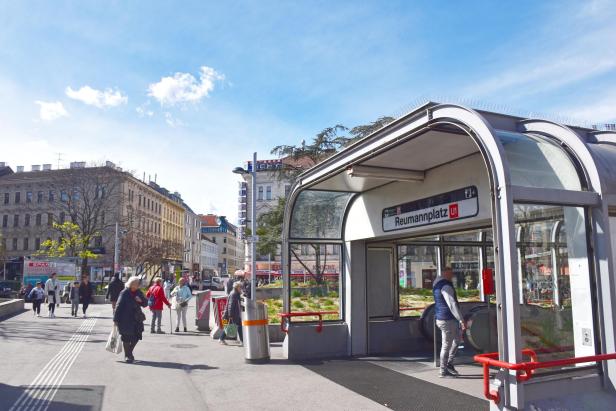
[[139, 200], [39, 197], [16, 220], [6, 198], [224, 250], [260, 195], [51, 196], [17, 197], [37, 244], [98, 241], [5, 221], [38, 219], [103, 217], [63, 196], [28, 196], [62, 216], [49, 219], [315, 280], [3, 243], [26, 244], [319, 214], [268, 192], [27, 220], [14, 244], [555, 308]]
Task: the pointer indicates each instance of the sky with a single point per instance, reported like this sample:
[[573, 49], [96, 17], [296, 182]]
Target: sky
[[186, 91]]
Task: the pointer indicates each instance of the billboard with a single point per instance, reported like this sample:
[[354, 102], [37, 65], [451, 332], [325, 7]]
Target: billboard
[[41, 270]]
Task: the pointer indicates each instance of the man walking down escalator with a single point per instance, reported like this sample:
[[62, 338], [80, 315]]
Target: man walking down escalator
[[448, 319]]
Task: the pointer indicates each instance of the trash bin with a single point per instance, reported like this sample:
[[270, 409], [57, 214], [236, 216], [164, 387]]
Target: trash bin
[[256, 333], [202, 317]]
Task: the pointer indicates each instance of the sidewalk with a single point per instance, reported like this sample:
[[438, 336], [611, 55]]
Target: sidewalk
[[191, 371]]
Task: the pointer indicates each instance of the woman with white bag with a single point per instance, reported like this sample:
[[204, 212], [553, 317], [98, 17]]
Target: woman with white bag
[[181, 295], [129, 318]]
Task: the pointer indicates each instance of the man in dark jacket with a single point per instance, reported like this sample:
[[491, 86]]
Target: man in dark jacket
[[114, 289], [128, 316], [233, 312], [85, 294]]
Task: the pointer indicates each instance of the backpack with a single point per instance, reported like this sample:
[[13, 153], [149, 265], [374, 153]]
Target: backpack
[[151, 300]]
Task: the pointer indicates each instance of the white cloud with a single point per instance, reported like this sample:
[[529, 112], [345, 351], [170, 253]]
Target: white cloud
[[144, 112], [172, 121], [97, 98], [50, 111], [184, 87]]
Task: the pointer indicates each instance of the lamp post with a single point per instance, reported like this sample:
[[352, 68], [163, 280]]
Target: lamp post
[[253, 223]]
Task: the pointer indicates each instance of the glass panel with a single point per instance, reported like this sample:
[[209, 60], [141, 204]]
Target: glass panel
[[464, 261], [425, 238], [315, 280], [535, 161], [417, 269], [556, 307], [319, 214], [467, 236]]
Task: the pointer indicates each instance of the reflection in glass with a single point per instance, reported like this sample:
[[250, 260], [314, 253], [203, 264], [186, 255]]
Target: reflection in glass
[[319, 214], [536, 161], [417, 269], [315, 280], [556, 306]]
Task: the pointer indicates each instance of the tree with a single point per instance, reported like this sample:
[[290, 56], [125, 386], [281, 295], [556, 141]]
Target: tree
[[269, 229], [89, 198], [72, 243], [359, 132]]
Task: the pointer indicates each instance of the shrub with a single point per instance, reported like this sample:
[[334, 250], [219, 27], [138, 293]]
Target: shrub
[[296, 293], [298, 304]]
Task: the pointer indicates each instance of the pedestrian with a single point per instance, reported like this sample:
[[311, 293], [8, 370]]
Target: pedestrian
[[246, 288], [74, 297], [129, 318], [232, 313], [37, 295], [181, 295], [156, 299], [52, 290], [85, 294], [229, 286], [448, 319], [114, 289], [167, 286]]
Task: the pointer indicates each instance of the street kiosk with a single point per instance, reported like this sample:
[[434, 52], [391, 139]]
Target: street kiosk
[[526, 207]]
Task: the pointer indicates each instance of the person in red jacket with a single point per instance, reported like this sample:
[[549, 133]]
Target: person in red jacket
[[156, 299]]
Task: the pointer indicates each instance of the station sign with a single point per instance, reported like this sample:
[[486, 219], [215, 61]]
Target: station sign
[[441, 208]]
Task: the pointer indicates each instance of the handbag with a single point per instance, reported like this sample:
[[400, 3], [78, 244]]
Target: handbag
[[231, 330], [114, 343], [184, 304]]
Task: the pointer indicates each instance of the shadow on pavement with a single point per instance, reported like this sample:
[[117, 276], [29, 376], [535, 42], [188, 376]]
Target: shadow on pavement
[[172, 365], [67, 398]]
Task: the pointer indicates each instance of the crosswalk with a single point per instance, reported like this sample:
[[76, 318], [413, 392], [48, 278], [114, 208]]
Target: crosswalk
[[39, 395]]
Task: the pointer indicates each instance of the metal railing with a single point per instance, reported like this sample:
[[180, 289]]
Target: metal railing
[[286, 318], [525, 370]]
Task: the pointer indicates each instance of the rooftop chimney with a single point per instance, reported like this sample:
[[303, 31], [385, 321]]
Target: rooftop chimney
[[46, 167], [35, 167], [2, 164], [20, 169]]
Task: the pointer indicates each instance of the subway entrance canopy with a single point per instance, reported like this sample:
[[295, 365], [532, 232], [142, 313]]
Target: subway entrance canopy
[[530, 202]]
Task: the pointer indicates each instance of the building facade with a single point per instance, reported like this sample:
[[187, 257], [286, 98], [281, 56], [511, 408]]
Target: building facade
[[220, 231], [192, 240], [209, 257], [95, 198]]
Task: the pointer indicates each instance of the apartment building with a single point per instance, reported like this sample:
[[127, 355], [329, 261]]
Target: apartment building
[[221, 232]]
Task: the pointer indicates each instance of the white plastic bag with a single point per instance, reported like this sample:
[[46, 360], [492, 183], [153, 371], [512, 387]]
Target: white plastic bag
[[114, 342]]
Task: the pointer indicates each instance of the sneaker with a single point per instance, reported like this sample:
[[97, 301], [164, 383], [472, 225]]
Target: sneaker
[[452, 370], [160, 332], [85, 316], [222, 342], [129, 360], [445, 374], [185, 330], [152, 331], [177, 330]]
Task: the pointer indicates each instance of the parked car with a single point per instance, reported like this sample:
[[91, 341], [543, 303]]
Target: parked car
[[6, 289], [218, 284]]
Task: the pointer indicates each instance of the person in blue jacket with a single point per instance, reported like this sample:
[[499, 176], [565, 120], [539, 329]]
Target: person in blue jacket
[[37, 295], [449, 320]]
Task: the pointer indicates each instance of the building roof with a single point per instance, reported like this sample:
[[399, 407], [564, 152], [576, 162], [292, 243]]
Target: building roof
[[209, 220]]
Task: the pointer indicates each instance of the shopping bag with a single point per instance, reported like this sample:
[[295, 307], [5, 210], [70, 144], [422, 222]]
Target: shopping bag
[[231, 330], [114, 343]]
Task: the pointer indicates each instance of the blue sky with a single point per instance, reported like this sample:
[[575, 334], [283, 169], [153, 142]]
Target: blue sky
[[188, 90]]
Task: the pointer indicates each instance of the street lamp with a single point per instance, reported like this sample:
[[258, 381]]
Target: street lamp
[[253, 223]]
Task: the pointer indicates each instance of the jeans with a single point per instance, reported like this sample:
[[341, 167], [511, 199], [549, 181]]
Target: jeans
[[157, 316], [52, 307], [36, 306], [181, 311], [449, 344], [240, 335], [74, 308], [84, 307]]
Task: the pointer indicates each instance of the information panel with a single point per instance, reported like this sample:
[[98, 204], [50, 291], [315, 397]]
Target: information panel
[[454, 205]]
